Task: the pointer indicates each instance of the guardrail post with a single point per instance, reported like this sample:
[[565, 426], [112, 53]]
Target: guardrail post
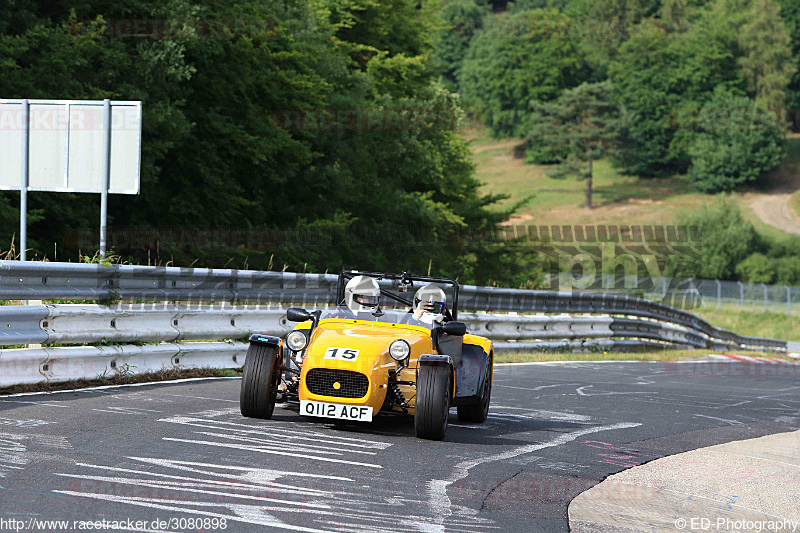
[[741, 293]]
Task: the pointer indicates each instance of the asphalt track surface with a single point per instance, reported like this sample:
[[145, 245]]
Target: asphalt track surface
[[174, 452]]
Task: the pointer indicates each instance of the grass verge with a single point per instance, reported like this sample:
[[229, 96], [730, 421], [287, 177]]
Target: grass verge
[[618, 198], [662, 356], [752, 322], [148, 377]]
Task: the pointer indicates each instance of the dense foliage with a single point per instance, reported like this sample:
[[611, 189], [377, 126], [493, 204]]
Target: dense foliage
[[732, 249], [665, 59], [320, 116], [518, 58], [326, 131]]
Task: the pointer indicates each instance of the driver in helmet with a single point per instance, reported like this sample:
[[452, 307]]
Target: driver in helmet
[[430, 304], [362, 295]]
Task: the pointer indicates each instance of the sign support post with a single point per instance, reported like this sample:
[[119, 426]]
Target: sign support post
[[23, 190], [106, 175]]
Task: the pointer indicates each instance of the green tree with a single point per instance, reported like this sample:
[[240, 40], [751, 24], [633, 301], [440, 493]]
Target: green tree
[[790, 12], [603, 27], [391, 39], [519, 58], [736, 143], [585, 122], [767, 63], [462, 19], [525, 5]]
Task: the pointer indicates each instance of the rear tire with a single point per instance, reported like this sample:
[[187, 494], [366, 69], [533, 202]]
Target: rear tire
[[478, 412], [259, 382], [433, 401]]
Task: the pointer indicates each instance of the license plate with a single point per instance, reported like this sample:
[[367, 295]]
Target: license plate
[[336, 410]]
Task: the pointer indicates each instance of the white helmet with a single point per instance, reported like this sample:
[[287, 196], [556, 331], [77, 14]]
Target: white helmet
[[430, 299], [362, 294]]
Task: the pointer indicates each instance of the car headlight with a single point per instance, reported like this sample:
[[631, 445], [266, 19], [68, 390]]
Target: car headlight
[[296, 340], [399, 350]]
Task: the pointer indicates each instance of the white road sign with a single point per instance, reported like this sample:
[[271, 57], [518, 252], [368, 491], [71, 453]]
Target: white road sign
[[66, 146]]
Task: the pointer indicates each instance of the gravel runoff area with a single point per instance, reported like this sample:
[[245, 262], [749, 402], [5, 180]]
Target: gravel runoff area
[[747, 485]]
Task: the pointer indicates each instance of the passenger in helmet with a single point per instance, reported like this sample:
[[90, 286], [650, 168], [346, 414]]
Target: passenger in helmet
[[430, 304], [362, 295]]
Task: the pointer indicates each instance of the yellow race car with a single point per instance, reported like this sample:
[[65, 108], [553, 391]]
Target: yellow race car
[[349, 366]]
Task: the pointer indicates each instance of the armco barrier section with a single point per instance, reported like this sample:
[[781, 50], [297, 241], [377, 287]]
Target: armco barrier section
[[91, 323], [164, 326], [80, 281], [157, 312], [35, 365]]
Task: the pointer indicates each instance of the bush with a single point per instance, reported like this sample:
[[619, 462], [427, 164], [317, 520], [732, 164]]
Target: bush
[[737, 143], [758, 268], [787, 271], [726, 239]]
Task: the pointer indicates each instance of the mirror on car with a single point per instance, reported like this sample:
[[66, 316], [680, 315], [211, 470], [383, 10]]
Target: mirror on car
[[297, 314], [454, 328]]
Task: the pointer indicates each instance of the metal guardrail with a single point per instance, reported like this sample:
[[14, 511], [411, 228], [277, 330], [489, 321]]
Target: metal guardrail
[[35, 365], [566, 320], [79, 281], [163, 326]]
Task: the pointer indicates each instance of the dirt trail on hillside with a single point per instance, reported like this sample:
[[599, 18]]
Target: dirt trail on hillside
[[774, 209], [506, 144]]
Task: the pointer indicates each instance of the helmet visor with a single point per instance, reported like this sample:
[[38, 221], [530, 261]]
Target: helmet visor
[[436, 308], [366, 300]]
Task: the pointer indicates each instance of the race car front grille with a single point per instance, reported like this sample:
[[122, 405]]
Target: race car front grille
[[351, 384]]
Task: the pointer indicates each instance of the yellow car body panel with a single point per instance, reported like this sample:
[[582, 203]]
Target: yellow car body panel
[[483, 342], [372, 340]]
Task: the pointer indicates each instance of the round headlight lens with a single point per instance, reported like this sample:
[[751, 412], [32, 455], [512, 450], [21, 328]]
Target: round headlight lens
[[296, 340], [399, 350]]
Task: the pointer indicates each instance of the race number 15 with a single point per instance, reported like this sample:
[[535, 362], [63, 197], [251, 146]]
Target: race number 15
[[345, 354]]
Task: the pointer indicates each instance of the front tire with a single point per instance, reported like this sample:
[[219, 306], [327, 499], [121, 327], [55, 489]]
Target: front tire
[[478, 412], [433, 401], [259, 382]]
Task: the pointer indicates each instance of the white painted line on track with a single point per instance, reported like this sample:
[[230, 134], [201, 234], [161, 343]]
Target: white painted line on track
[[275, 452], [188, 487], [296, 433], [439, 501], [255, 478], [123, 386], [732, 422], [581, 392], [257, 517], [45, 403], [204, 398], [298, 447]]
